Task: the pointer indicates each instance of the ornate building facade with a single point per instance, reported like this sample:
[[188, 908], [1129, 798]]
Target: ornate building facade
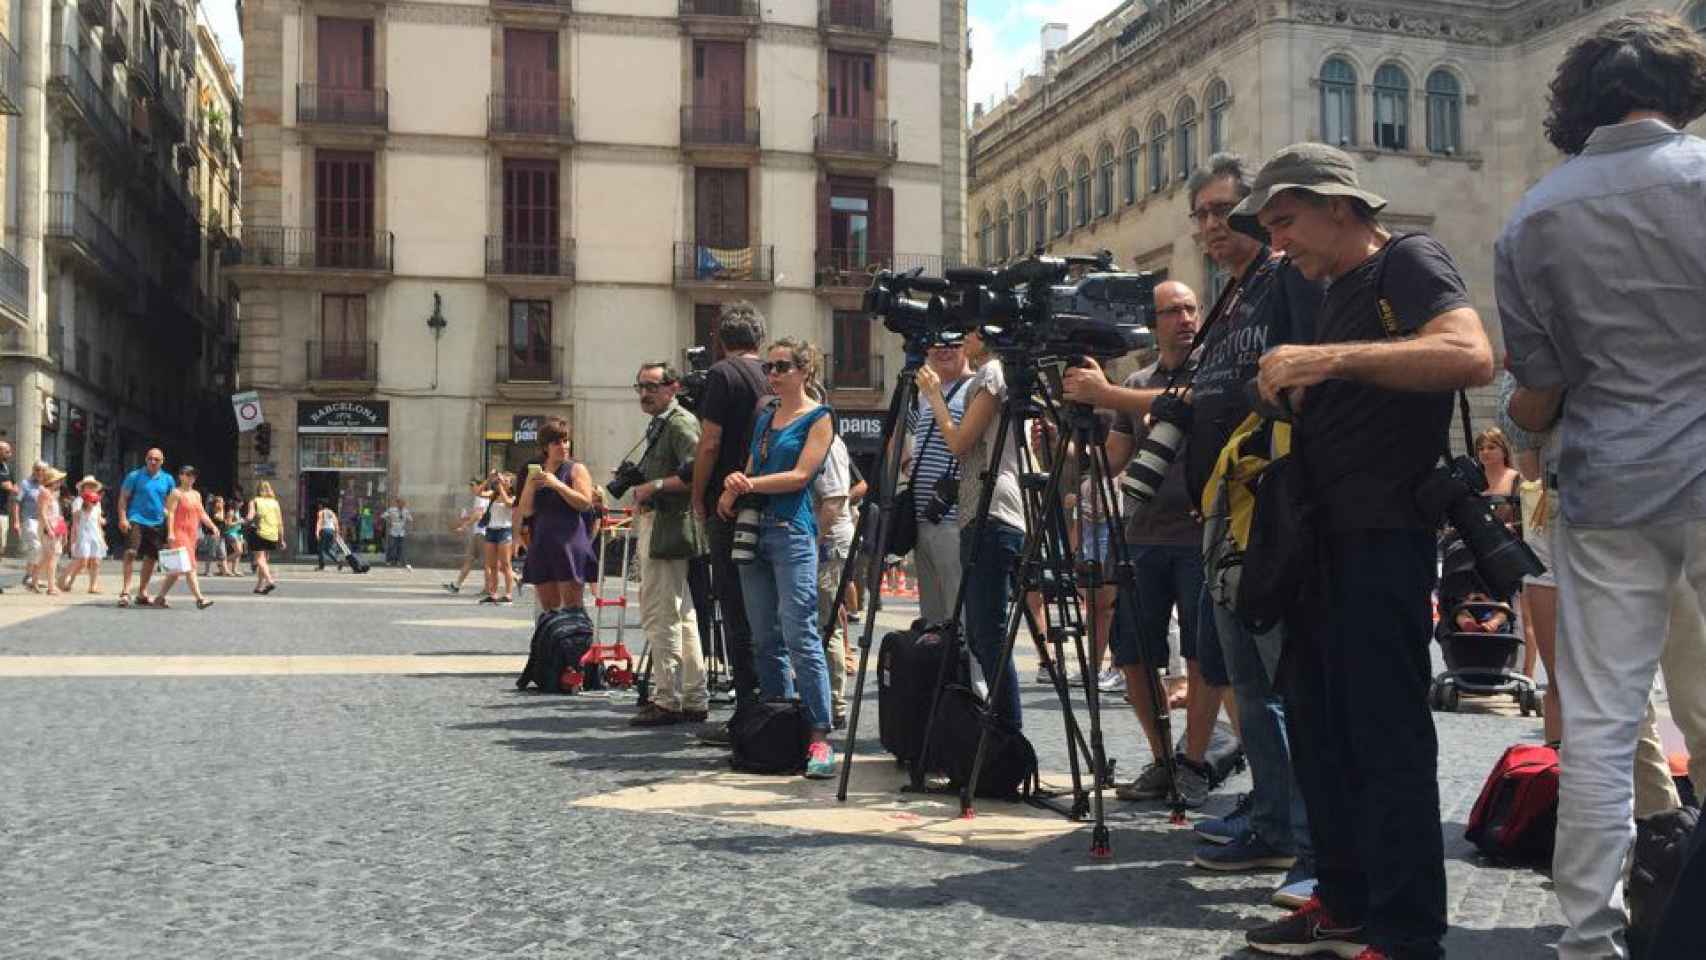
[[1441, 104]]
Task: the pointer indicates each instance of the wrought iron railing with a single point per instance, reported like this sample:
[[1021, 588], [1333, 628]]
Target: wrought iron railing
[[96, 13], [536, 364], [719, 127], [302, 248], [70, 219], [860, 135], [14, 283], [720, 8], [115, 42], [865, 16], [530, 116], [172, 22], [505, 257], [854, 268], [707, 263], [11, 79], [342, 106], [348, 360], [74, 81]]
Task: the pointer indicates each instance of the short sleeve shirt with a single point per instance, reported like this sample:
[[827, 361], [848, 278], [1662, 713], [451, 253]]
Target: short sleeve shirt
[[930, 458], [835, 479], [397, 522], [1165, 520], [733, 387], [27, 493], [148, 496], [1007, 503], [1365, 448]]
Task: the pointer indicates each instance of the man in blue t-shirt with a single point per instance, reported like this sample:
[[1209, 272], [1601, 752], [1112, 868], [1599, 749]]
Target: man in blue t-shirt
[[142, 520]]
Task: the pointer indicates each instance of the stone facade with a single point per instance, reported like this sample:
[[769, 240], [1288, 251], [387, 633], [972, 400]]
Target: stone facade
[[628, 275]]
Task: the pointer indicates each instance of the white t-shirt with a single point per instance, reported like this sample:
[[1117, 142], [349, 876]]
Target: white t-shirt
[[1007, 504], [835, 479], [502, 516], [397, 522], [477, 511]]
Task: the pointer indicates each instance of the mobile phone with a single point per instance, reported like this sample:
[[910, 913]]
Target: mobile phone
[[533, 468]]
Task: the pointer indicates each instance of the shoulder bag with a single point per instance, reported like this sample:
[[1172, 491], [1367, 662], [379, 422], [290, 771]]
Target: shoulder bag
[[903, 535]]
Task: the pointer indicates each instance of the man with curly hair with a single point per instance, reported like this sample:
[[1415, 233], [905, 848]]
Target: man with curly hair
[[1598, 274]]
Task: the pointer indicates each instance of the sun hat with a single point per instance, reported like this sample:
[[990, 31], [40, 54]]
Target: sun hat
[[1315, 167], [90, 481], [52, 476]]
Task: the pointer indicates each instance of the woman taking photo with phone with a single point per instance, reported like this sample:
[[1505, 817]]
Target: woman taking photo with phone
[[789, 442], [500, 539], [558, 498]]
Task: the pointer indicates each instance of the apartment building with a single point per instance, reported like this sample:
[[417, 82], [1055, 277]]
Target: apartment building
[[461, 218], [111, 315]]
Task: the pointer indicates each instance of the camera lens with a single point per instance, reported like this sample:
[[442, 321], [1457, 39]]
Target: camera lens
[[1143, 475], [745, 549]]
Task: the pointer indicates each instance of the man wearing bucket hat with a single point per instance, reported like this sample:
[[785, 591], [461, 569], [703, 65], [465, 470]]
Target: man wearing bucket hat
[[1372, 397]]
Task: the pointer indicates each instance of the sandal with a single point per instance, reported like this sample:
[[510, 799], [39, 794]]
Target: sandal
[[269, 588], [124, 599], [160, 603], [203, 604]]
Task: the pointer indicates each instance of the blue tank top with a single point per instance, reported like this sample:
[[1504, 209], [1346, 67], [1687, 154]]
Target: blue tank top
[[777, 451]]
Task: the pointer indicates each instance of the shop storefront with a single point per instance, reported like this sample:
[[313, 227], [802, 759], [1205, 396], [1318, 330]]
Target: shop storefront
[[512, 436], [343, 456], [862, 432]]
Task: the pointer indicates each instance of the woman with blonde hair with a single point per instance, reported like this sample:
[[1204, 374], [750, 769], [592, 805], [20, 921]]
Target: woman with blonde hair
[[1504, 480], [52, 524], [264, 535], [88, 533]]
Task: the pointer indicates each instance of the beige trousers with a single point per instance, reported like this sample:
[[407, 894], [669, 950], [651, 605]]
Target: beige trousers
[[672, 633]]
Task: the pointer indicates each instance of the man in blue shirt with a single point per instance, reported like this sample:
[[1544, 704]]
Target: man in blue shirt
[[142, 520]]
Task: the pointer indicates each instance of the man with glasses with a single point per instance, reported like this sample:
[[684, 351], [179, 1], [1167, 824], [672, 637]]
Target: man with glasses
[[931, 468], [1267, 303], [670, 538]]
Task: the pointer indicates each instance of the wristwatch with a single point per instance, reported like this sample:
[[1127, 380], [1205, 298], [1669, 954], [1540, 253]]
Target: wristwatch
[[657, 485]]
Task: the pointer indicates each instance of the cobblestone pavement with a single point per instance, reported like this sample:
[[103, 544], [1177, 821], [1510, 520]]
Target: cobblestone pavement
[[435, 814]]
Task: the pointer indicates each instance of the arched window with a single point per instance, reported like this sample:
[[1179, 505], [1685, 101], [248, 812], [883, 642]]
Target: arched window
[[1445, 110], [1021, 224], [1039, 222], [1157, 153], [1132, 155], [983, 238], [1391, 107], [1185, 148], [1338, 102], [1062, 203], [1218, 102], [1003, 231], [1105, 180], [1083, 178]]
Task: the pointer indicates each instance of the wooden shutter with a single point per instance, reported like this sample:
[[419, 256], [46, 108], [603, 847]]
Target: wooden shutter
[[720, 206], [882, 227], [825, 242], [343, 208]]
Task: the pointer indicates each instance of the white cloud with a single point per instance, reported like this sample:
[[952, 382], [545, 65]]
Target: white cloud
[[1006, 39]]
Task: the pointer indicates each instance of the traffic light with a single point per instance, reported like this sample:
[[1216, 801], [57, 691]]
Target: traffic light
[[263, 440]]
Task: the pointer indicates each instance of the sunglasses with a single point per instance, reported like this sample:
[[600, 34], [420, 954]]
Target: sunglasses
[[778, 366]]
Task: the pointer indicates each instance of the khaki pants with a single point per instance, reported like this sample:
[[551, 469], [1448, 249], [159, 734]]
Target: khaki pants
[[672, 633], [835, 642]]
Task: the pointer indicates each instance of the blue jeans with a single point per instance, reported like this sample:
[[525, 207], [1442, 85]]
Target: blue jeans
[[328, 541], [1276, 804], [394, 549], [780, 590], [988, 589]]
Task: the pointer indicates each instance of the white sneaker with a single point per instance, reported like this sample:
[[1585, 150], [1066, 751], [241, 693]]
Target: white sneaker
[[1043, 677], [1112, 680], [1293, 895]]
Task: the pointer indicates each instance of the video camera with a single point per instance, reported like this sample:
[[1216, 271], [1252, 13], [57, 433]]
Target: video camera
[[694, 378]]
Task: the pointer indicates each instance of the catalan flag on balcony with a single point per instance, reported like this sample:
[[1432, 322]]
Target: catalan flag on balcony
[[725, 263]]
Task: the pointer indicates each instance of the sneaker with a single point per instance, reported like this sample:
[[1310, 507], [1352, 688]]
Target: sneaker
[[652, 715], [1369, 953], [1297, 887], [820, 761], [1043, 677], [839, 721], [716, 735], [1194, 785], [1151, 784], [452, 588], [1248, 852], [1226, 829], [1306, 932], [1112, 680]]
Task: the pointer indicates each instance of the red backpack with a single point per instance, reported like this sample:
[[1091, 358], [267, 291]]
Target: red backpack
[[1516, 816]]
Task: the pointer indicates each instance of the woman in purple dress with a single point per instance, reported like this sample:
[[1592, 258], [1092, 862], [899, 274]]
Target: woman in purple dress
[[559, 499]]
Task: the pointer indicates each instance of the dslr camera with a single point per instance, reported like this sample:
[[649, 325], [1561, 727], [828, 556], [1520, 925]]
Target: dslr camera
[[693, 381], [943, 497], [625, 477], [1170, 423], [1452, 492]]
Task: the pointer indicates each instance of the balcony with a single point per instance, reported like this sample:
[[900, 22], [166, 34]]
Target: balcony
[[530, 118], [855, 371], [116, 43], [858, 142], [170, 17], [855, 18], [75, 91], [179, 213], [75, 229], [732, 269], [301, 248], [11, 80], [343, 364], [720, 8], [711, 133], [95, 13], [538, 9], [343, 107], [530, 373], [853, 269], [720, 18], [171, 101], [553, 264], [14, 288], [145, 69]]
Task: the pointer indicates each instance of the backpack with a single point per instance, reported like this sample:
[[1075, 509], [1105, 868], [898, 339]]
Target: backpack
[[560, 640], [1262, 548], [908, 665], [1516, 817], [769, 736], [1663, 843], [1009, 765]]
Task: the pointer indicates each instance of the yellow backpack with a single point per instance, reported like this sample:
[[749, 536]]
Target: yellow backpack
[[1230, 493]]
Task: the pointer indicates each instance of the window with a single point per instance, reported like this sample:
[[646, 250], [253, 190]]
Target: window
[[1039, 222], [1003, 232], [1157, 153], [1132, 151], [1338, 102], [850, 364], [850, 225], [530, 205], [530, 341], [1218, 102], [1021, 224], [1391, 108], [1105, 180], [720, 207], [1697, 17], [1083, 170], [1184, 148], [343, 209], [1445, 110], [983, 239], [1062, 200], [343, 337]]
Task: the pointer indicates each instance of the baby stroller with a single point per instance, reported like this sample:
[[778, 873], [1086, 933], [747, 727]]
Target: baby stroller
[[1477, 637]]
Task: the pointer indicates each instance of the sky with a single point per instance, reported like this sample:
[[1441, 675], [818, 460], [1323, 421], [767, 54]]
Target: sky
[[221, 17], [1005, 38]]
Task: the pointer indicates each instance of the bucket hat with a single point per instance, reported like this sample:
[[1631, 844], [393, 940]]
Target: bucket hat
[[1316, 167], [90, 481]]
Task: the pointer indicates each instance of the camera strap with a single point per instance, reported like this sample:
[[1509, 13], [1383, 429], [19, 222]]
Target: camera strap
[[918, 461], [1228, 301], [1389, 323]]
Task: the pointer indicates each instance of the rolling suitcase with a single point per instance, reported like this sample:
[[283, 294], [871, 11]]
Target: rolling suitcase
[[908, 664]]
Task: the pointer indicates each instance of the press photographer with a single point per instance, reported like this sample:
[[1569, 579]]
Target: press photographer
[[935, 475], [1373, 401], [733, 387], [670, 537]]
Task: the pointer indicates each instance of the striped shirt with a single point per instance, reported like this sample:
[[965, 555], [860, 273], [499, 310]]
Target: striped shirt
[[934, 461]]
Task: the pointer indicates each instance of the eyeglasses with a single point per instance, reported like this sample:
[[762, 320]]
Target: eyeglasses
[[778, 366], [643, 387], [1213, 211], [1179, 308]]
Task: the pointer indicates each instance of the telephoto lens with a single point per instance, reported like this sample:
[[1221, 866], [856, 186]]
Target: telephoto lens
[[1170, 419], [747, 511]]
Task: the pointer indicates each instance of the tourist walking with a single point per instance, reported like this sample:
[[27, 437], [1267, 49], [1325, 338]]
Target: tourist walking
[[142, 520], [88, 525], [267, 526], [52, 526], [472, 527], [185, 519]]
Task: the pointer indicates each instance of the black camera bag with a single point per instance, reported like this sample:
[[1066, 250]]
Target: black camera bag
[[908, 665], [1009, 765], [769, 736], [560, 639], [1666, 845]]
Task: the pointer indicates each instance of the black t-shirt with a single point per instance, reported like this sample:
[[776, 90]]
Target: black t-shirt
[[5, 478], [733, 387], [1276, 304], [1363, 447]]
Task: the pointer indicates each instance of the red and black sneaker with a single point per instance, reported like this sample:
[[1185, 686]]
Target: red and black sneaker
[[1308, 931], [1372, 954]]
